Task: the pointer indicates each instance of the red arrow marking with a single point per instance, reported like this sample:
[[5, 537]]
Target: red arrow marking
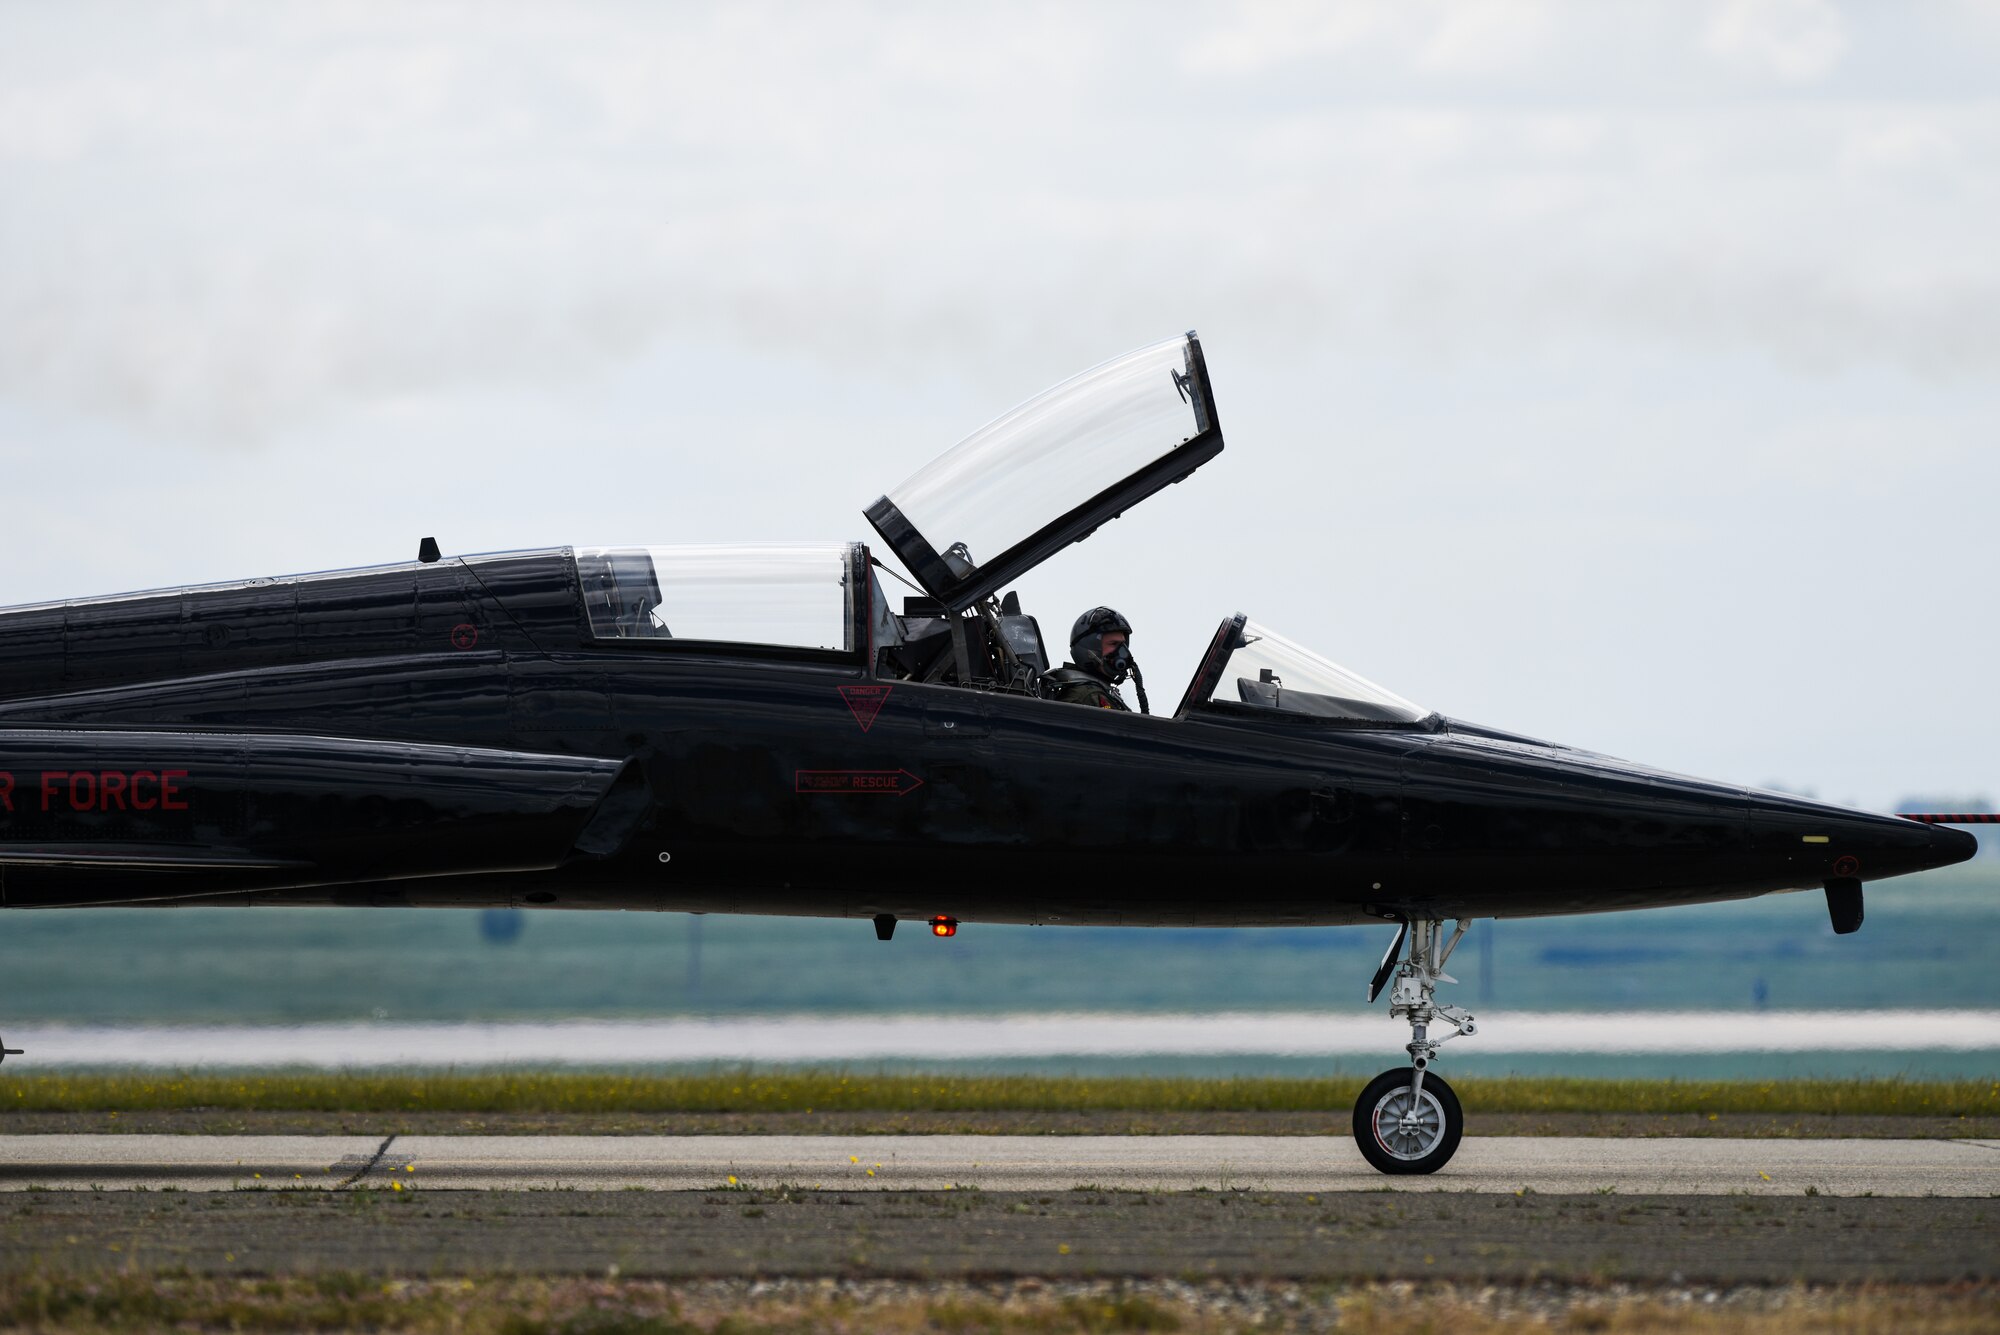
[[865, 702], [894, 781]]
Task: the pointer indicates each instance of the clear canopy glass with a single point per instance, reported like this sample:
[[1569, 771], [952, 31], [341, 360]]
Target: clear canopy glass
[[794, 594], [1022, 471], [1271, 672]]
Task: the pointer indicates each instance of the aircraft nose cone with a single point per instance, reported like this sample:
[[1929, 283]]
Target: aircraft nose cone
[[1833, 843], [1950, 845]]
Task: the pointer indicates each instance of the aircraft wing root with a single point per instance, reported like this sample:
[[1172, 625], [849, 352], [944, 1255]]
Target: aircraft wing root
[[86, 814]]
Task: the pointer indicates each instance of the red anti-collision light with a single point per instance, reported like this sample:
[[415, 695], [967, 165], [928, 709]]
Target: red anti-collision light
[[943, 926]]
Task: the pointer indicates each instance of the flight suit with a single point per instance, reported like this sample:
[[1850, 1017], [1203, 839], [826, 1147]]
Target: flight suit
[[1072, 684]]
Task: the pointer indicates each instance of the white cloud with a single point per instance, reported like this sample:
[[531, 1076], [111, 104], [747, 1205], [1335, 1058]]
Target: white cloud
[[1260, 34], [1793, 40], [1483, 36], [284, 215]]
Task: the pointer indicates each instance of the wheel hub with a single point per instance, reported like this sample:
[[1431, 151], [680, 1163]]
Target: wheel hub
[[1408, 1128]]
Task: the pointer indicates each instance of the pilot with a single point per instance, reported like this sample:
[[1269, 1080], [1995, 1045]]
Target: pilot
[[1099, 660]]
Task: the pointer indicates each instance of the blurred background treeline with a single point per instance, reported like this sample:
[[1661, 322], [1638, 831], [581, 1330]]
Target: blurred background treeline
[[1929, 941]]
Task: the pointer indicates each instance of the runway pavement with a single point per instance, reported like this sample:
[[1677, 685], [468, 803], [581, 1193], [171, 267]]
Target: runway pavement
[[1544, 1165]]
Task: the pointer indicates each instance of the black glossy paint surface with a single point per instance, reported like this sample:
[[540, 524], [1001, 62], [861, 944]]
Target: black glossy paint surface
[[448, 734]]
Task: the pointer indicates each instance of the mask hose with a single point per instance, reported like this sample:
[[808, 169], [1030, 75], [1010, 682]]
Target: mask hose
[[1139, 685]]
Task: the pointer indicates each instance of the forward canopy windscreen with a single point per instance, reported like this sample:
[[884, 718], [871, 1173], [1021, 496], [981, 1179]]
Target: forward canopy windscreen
[[1268, 671], [790, 595]]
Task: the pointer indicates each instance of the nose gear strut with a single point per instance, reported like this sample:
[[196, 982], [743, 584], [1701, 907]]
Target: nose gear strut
[[1406, 1120]]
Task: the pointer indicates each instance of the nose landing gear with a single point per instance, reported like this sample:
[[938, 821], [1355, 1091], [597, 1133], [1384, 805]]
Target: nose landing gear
[[1407, 1120]]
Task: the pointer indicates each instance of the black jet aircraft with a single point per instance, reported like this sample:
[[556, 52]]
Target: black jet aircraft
[[763, 729]]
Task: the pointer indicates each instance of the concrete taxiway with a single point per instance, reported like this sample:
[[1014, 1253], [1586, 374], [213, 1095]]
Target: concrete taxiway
[[1544, 1165]]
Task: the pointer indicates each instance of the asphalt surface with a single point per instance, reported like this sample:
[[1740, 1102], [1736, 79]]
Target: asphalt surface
[[1551, 1165], [1349, 1237]]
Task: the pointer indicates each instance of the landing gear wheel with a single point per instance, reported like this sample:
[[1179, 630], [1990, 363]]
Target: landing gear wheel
[[1399, 1139]]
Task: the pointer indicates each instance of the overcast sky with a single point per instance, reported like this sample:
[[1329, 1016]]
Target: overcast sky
[[1625, 374]]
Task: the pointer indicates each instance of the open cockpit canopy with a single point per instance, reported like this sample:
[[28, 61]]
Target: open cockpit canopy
[[1049, 472], [1248, 667]]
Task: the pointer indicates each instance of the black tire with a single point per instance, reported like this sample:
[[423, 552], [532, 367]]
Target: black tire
[[1432, 1146]]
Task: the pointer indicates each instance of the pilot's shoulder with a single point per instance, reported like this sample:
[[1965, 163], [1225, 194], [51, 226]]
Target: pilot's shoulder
[[1074, 686]]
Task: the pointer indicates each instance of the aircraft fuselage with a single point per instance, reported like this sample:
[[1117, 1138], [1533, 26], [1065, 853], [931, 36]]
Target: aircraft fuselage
[[441, 735]]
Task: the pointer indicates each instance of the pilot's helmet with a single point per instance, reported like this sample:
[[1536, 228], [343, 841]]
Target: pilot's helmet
[[1086, 644]]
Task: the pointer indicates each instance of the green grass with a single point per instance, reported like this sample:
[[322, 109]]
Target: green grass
[[94, 1304], [834, 1091]]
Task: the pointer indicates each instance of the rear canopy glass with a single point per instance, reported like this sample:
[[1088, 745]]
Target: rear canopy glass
[[796, 595]]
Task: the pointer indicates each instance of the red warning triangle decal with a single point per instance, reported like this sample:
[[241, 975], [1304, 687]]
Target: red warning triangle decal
[[865, 702]]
